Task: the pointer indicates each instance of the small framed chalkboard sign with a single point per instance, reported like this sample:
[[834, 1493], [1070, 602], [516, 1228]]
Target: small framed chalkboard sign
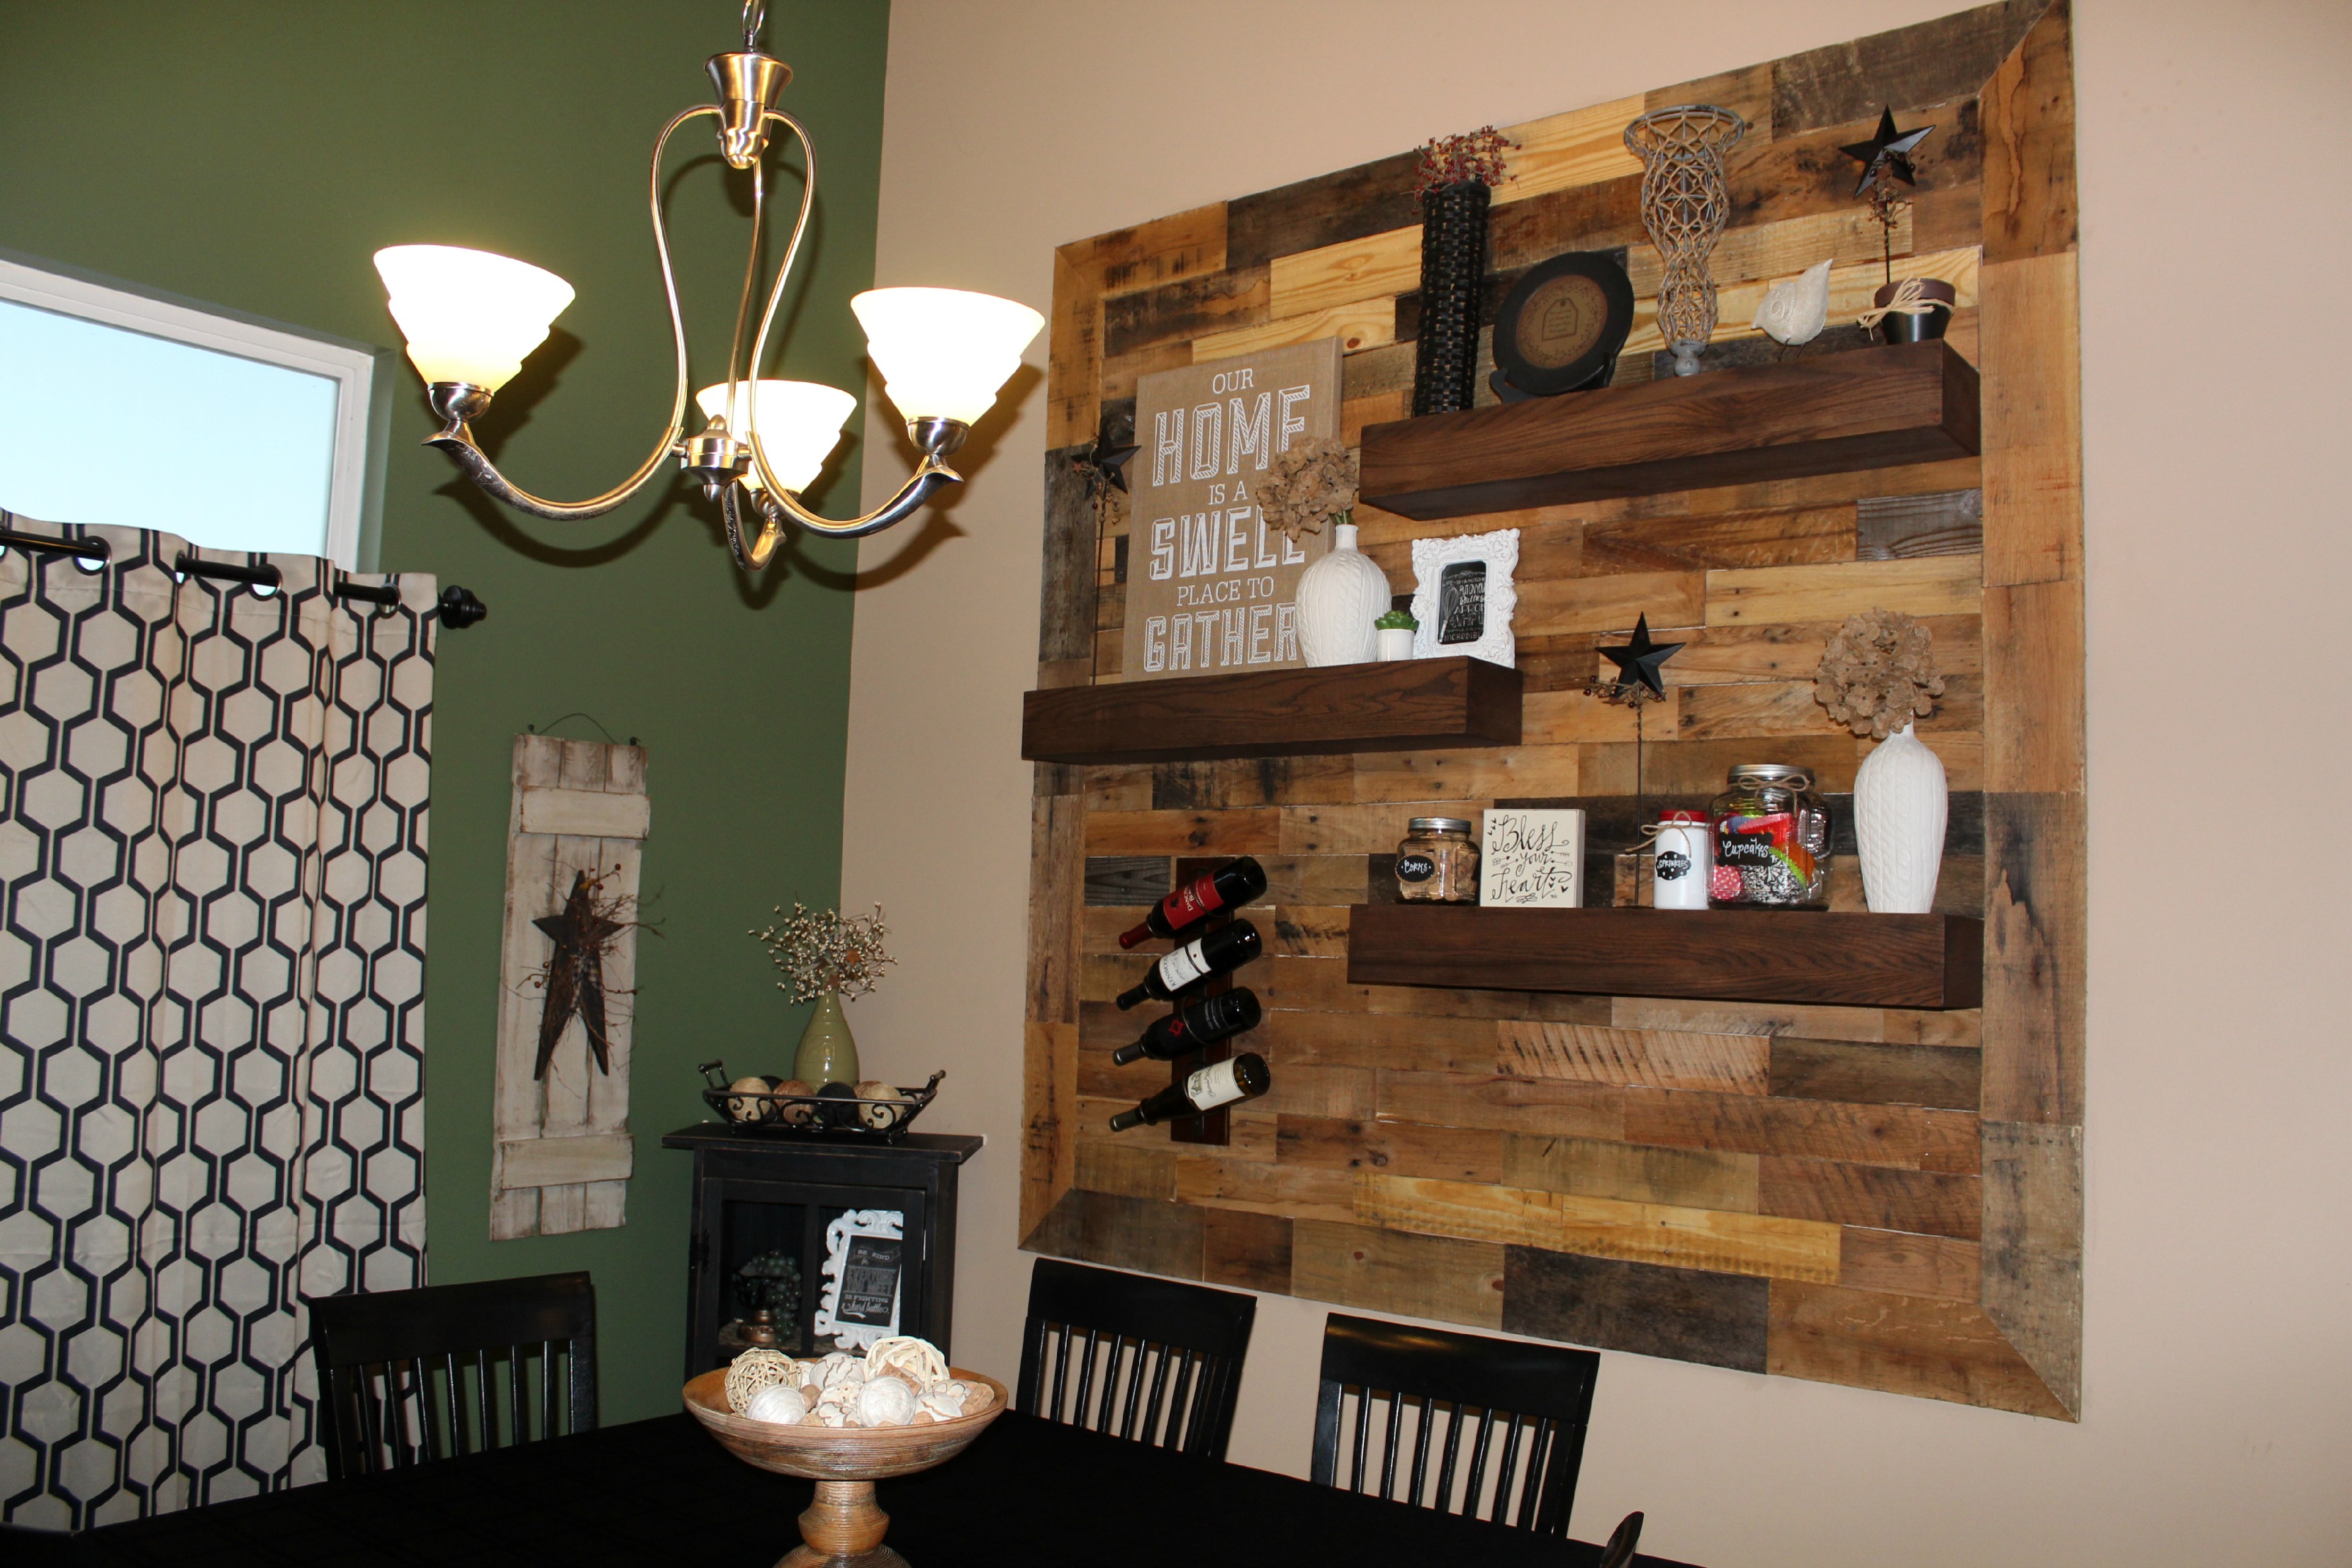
[[1464, 597], [865, 1262]]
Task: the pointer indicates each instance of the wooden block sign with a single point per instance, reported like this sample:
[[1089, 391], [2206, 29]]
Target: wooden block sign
[[563, 1154], [1532, 860], [1211, 588]]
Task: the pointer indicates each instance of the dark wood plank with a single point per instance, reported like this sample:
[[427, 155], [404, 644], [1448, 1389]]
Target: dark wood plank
[[1116, 880], [1603, 215], [1881, 408], [1066, 600], [1910, 68], [1371, 198], [1801, 537], [1898, 527], [2035, 954], [1884, 1197], [1719, 1320], [1247, 1251], [1151, 1236], [1903, 1344], [1755, 955], [1874, 1074], [1908, 1264], [1797, 174], [1409, 705], [2032, 1283], [1908, 1136], [2030, 206], [1186, 309]]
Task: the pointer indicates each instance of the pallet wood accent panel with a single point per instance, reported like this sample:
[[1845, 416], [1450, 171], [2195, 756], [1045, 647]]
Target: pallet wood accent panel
[[1410, 705], [1873, 408], [1883, 1192], [1737, 955]]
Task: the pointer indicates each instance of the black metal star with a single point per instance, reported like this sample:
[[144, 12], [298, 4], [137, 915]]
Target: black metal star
[[1889, 152], [1108, 460], [1639, 659], [575, 974]]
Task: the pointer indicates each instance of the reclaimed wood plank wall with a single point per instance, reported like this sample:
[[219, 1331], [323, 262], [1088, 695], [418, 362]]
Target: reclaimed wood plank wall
[[1886, 1199]]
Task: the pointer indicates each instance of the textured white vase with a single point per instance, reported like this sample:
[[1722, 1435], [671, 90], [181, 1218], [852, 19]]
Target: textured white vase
[[1340, 598], [1900, 802]]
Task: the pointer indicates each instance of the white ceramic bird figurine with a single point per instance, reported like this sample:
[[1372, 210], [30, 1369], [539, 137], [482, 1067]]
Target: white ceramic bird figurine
[[1795, 312]]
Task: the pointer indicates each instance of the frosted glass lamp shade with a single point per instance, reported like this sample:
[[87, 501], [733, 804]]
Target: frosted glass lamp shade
[[469, 315], [799, 424], [943, 352]]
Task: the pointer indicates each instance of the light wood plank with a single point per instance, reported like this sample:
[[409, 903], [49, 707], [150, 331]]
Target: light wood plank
[[1362, 324], [2032, 420], [1599, 1168], [1902, 1344], [1581, 147], [1132, 1170], [1297, 1192], [1393, 1271], [1360, 829], [1184, 833], [593, 814], [1347, 273], [552, 1161], [1505, 1104], [1734, 1064], [1933, 585], [1398, 1148]]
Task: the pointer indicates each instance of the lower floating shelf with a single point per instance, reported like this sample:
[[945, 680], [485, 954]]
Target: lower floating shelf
[[1934, 962]]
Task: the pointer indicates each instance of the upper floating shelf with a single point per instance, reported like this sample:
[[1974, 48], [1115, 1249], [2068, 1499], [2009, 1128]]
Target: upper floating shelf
[[1866, 408], [1409, 705]]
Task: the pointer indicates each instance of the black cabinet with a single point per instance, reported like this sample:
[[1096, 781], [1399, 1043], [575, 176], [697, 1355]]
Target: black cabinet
[[765, 1201]]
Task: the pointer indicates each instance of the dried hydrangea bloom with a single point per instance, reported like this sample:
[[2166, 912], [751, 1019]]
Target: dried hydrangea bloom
[[1879, 673], [1314, 481]]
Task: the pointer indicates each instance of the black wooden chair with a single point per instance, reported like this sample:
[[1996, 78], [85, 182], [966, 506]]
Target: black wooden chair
[[393, 1368], [1538, 1398], [22, 1546], [1186, 1341]]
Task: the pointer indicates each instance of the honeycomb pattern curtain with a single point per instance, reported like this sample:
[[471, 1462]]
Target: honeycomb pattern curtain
[[211, 960]]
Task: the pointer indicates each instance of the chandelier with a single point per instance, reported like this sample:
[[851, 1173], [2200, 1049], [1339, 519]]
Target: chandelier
[[470, 318]]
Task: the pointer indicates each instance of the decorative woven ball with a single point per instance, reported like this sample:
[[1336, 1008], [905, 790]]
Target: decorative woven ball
[[780, 1403], [795, 1115], [754, 1370], [752, 1110], [881, 1117]]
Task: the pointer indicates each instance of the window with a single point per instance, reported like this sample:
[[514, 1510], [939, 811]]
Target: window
[[138, 410]]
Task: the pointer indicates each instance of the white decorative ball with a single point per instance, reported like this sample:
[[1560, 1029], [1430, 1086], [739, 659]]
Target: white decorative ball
[[884, 1401], [754, 1370], [776, 1403]]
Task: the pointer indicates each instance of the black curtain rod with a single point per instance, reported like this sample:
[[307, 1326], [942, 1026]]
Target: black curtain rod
[[458, 608]]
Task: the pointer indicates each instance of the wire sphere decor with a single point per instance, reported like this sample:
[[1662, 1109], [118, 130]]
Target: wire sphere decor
[[1685, 205]]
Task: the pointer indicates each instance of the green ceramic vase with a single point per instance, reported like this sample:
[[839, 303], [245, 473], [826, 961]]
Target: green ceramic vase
[[827, 1054]]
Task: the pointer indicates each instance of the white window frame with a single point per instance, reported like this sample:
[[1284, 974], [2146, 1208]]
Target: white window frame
[[350, 366]]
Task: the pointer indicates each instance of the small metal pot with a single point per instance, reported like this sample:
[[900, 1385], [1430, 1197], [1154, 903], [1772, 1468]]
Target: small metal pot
[[1903, 329]]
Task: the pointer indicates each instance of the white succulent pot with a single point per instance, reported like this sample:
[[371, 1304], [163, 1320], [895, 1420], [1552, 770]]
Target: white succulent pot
[[1396, 642], [1900, 803], [1340, 598]]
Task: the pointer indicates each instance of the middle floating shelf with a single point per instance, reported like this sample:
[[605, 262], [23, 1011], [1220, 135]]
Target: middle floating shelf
[[1406, 705], [1865, 408], [1932, 962]]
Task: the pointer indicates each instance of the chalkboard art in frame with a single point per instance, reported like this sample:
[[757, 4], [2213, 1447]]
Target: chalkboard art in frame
[[865, 1269], [1464, 597]]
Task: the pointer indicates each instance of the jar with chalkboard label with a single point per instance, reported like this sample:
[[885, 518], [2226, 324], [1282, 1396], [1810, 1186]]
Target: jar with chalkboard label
[[1771, 835], [1438, 862], [1684, 858]]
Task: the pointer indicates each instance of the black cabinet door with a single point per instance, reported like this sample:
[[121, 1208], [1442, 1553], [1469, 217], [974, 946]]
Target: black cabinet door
[[737, 1217]]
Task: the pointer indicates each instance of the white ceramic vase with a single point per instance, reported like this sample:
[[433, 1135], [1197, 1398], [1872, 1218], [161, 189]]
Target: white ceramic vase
[[1900, 802], [1340, 598]]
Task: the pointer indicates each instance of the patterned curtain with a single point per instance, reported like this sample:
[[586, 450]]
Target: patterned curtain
[[212, 966]]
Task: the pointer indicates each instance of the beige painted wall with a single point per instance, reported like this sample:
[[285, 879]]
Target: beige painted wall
[[2214, 150]]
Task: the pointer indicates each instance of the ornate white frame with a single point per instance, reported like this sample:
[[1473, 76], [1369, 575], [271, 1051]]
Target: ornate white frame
[[1431, 557], [889, 1224]]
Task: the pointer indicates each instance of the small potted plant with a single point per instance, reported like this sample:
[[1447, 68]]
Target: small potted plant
[[1396, 629]]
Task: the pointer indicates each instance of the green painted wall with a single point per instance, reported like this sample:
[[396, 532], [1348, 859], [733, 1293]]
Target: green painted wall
[[254, 153]]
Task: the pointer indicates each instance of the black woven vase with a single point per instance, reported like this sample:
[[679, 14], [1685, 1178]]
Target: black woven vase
[[1453, 266]]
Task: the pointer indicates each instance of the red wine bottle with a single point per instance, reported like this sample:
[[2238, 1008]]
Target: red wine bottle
[[1219, 1083], [1227, 947], [1229, 887], [1210, 1018]]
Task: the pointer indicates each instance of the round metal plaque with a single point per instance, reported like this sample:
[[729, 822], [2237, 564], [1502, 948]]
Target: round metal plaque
[[1563, 324]]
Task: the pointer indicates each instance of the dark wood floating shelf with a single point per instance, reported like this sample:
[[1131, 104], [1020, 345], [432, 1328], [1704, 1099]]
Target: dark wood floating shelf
[[1724, 955], [1409, 705], [1866, 408]]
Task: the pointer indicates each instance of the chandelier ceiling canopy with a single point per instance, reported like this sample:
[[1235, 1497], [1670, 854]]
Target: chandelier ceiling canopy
[[471, 318]]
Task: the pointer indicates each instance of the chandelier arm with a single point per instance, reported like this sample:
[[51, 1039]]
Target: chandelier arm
[[937, 437], [456, 436], [753, 556], [751, 285]]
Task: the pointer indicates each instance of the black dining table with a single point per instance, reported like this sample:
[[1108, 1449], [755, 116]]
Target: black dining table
[[663, 1490]]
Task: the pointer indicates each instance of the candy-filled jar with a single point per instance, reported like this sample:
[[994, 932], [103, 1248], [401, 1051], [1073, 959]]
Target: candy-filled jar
[[1771, 841]]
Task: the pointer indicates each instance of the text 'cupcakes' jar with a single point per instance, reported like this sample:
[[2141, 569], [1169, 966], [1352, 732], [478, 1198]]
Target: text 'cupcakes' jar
[[1771, 841], [1438, 862]]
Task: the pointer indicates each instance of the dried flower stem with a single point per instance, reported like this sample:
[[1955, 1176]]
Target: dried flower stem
[[822, 952]]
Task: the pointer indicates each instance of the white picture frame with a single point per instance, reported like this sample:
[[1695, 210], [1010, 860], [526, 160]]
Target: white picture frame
[[1531, 859], [841, 1238], [1489, 559]]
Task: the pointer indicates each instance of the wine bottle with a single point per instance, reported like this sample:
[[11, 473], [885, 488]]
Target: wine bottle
[[1219, 1083], [1229, 887], [1210, 1018], [1228, 947]]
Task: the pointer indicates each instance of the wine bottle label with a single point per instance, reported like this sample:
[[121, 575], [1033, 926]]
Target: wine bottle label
[[1192, 902], [1183, 966], [1212, 1086], [1416, 868]]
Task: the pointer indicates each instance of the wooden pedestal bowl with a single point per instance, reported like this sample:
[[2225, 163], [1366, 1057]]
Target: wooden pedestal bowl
[[842, 1527]]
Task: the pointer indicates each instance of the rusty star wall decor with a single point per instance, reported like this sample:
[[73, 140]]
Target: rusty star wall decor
[[575, 974]]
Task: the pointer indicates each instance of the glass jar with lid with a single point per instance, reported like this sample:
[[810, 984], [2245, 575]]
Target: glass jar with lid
[[1438, 861], [1771, 841]]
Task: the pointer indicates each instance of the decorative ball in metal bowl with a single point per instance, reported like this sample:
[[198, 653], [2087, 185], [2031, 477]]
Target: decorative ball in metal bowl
[[843, 1524]]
